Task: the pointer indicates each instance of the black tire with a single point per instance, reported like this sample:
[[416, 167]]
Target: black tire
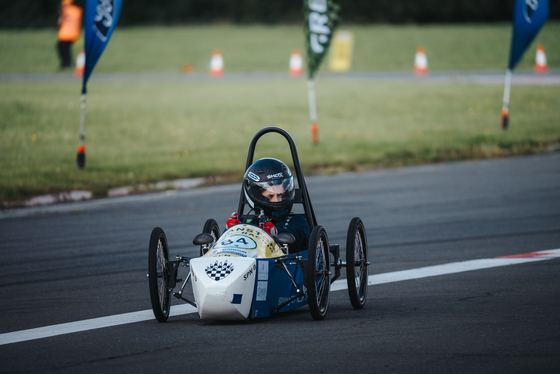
[[210, 227], [158, 274], [356, 263], [317, 275]]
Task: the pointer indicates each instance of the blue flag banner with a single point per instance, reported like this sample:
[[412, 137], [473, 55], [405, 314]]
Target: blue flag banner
[[100, 22], [528, 18]]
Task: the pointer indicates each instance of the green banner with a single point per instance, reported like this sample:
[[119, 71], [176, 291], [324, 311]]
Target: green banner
[[321, 19]]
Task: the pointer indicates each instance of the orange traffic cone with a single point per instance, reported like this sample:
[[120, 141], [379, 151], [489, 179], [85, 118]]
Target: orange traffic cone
[[540, 60], [296, 63], [420, 62], [80, 64], [217, 63]]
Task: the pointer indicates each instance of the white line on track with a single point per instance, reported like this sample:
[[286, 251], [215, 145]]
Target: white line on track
[[397, 276]]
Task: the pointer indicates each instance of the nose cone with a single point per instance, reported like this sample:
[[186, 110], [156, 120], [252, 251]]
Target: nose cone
[[223, 286]]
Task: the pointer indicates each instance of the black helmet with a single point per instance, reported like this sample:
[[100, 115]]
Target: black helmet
[[269, 185]]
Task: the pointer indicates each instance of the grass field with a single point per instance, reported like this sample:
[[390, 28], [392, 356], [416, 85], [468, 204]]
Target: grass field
[[140, 132], [149, 131]]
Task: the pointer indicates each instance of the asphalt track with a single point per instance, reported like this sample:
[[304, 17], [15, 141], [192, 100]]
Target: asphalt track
[[521, 77], [443, 297]]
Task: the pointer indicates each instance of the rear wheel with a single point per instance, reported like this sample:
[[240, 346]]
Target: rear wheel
[[317, 275], [356, 263], [210, 227], [158, 274]]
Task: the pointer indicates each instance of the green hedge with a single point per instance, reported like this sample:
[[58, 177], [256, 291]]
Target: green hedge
[[43, 13]]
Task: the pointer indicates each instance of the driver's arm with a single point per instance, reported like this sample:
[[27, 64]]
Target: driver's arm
[[298, 226]]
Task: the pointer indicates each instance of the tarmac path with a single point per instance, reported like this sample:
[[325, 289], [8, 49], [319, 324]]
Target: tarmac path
[[523, 77], [449, 291]]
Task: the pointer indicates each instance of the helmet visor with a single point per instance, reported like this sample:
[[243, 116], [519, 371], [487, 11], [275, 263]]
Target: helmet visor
[[278, 191]]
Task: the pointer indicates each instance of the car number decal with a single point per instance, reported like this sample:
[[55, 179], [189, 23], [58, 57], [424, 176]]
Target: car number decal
[[237, 241]]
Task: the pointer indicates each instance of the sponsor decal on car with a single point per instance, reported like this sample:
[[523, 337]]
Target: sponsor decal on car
[[231, 252], [271, 249], [262, 289], [219, 270], [263, 270], [251, 271], [246, 237]]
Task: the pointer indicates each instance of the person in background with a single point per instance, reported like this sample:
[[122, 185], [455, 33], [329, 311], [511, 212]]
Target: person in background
[[70, 23]]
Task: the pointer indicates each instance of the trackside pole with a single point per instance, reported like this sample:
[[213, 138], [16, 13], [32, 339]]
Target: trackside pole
[[81, 159], [312, 111], [505, 107]]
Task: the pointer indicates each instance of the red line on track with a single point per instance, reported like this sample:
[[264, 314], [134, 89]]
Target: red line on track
[[527, 255]]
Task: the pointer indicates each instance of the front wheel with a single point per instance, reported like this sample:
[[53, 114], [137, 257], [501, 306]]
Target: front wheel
[[356, 263], [210, 227], [159, 274], [317, 275]]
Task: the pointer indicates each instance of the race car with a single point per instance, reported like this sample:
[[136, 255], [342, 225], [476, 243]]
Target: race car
[[246, 273]]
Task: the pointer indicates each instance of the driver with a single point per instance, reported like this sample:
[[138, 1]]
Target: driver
[[268, 185]]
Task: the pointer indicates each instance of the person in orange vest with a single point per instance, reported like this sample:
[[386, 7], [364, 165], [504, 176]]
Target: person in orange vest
[[70, 23]]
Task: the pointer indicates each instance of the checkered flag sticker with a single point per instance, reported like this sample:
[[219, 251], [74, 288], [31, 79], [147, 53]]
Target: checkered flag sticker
[[219, 270]]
